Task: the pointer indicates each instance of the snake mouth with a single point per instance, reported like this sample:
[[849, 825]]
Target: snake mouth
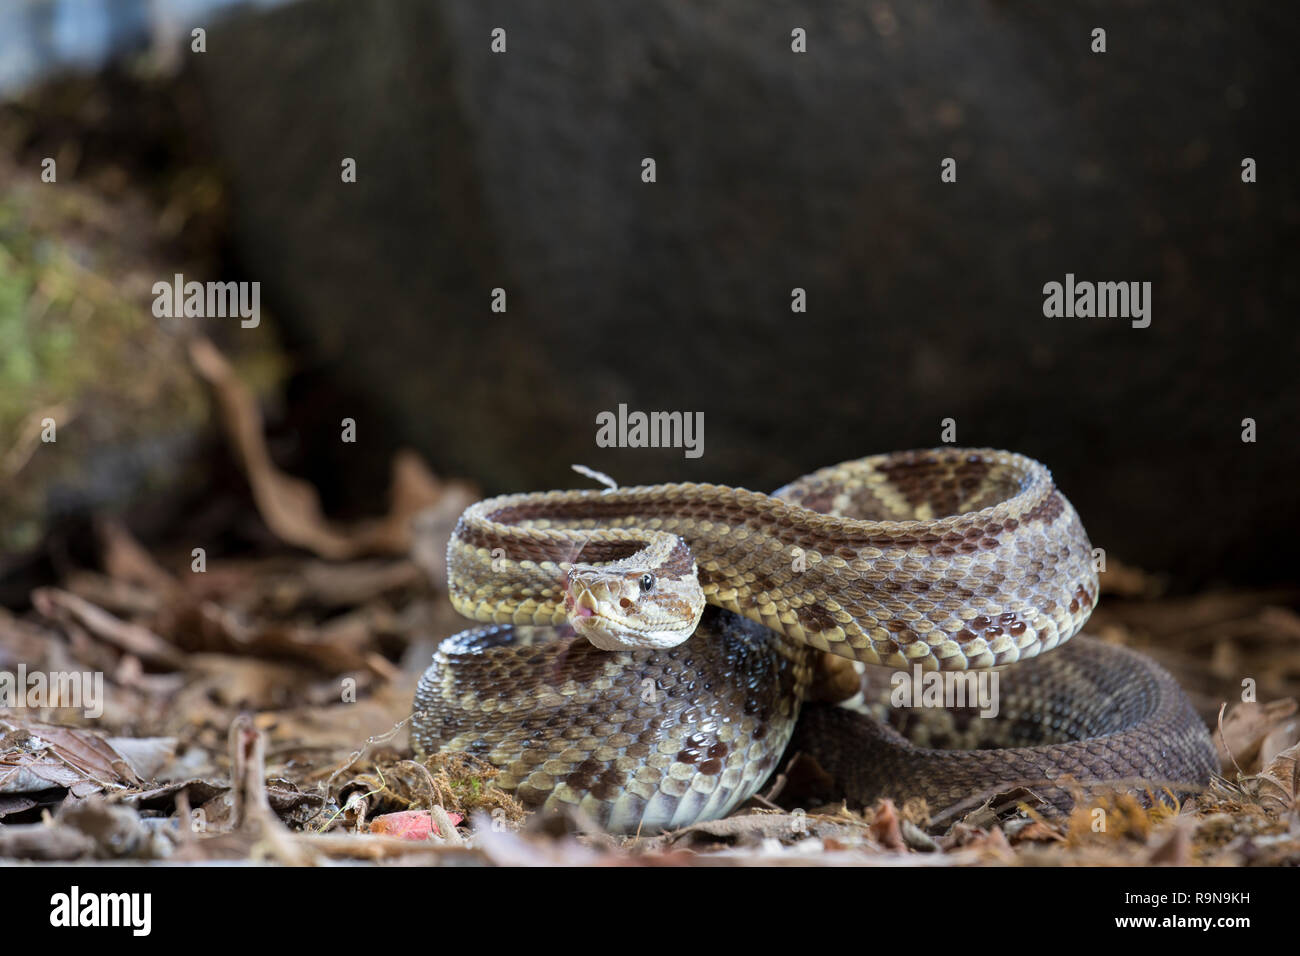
[[581, 601], [591, 608]]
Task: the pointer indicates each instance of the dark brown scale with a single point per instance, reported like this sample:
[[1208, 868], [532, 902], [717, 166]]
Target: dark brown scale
[[814, 618], [580, 781], [1047, 510], [614, 777], [820, 501]]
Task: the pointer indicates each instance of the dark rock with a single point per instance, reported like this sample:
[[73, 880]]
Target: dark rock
[[778, 170]]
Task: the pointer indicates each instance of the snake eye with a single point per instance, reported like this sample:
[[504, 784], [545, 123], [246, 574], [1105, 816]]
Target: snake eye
[[647, 583]]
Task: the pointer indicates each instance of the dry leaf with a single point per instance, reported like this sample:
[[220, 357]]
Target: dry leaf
[[36, 841], [1176, 849], [886, 826], [1243, 731], [1279, 783], [145, 755], [290, 506], [754, 826], [125, 560], [35, 757], [1280, 738], [1039, 831], [62, 605]]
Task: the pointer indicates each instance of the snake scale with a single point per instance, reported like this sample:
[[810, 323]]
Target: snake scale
[[650, 650]]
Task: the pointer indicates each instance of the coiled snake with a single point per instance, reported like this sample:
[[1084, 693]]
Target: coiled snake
[[605, 685]]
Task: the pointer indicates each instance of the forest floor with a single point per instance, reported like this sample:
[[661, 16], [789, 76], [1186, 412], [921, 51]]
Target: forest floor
[[255, 706]]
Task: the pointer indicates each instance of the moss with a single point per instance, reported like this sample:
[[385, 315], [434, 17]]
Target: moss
[[79, 343]]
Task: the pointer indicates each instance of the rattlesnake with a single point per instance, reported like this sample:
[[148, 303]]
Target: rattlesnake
[[604, 684]]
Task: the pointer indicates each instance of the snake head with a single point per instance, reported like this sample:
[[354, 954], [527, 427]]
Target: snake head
[[627, 607]]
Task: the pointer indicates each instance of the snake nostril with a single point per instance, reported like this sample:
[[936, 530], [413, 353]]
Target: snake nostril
[[624, 602]]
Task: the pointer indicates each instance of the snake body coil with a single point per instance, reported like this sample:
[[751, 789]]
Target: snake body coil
[[947, 559]]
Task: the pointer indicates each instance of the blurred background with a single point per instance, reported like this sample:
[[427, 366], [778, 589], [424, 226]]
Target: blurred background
[[522, 171], [217, 519]]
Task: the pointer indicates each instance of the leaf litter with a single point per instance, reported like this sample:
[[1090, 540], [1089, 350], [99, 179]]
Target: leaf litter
[[258, 711]]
